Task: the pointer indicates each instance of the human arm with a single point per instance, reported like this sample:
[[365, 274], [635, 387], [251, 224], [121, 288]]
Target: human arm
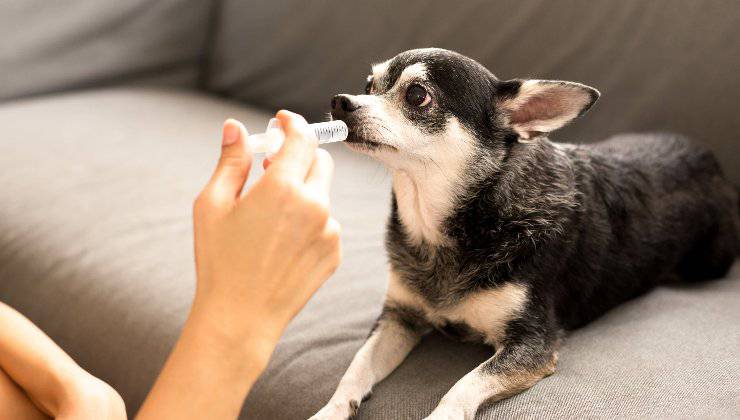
[[32, 364], [259, 258]]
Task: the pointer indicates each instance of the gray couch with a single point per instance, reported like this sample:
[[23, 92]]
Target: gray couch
[[109, 126]]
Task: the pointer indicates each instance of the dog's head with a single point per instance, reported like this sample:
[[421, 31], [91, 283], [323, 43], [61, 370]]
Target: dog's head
[[427, 102]]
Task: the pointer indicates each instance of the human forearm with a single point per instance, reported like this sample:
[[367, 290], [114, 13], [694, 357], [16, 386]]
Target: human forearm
[[14, 403], [34, 362], [211, 369], [55, 383], [259, 256]]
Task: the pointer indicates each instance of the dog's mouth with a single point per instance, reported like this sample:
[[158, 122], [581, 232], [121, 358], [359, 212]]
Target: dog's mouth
[[355, 141], [363, 133], [366, 145]]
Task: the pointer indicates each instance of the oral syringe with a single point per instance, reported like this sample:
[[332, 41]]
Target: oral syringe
[[270, 141]]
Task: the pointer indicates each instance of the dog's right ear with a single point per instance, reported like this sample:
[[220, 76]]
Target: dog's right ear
[[535, 107]]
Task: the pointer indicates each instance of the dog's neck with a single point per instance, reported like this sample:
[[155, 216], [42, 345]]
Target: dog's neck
[[424, 199], [427, 192]]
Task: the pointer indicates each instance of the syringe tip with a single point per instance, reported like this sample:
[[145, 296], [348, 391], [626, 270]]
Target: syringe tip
[[330, 131]]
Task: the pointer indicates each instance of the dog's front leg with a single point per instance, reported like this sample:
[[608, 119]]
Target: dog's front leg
[[396, 333], [510, 371]]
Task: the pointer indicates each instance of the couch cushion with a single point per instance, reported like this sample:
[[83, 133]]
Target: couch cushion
[[661, 65], [95, 246], [96, 238], [95, 220], [50, 46]]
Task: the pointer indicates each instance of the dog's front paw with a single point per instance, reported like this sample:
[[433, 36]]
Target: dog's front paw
[[337, 410]]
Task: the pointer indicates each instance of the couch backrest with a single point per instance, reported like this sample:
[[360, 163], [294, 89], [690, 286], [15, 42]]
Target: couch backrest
[[660, 64], [58, 45]]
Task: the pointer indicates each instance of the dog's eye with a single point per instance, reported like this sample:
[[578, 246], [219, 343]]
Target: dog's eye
[[416, 95]]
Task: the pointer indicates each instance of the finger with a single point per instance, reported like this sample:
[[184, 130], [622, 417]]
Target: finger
[[295, 157], [320, 175], [266, 163], [233, 166], [332, 234], [326, 255]]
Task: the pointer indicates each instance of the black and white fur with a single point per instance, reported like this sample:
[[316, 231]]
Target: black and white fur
[[500, 236]]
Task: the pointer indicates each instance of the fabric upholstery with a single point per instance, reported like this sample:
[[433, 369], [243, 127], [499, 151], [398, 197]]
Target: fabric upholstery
[[95, 247], [669, 65], [95, 220], [51, 46]]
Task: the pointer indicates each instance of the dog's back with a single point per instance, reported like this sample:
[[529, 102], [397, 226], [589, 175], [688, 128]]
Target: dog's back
[[655, 207]]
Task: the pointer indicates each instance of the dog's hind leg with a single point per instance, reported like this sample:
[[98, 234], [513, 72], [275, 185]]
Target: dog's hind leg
[[396, 333], [510, 371]]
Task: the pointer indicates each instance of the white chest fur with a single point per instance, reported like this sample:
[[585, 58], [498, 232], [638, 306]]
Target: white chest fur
[[487, 312], [428, 184], [422, 206]]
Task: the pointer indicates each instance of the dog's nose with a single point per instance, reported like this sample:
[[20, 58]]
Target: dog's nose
[[343, 104]]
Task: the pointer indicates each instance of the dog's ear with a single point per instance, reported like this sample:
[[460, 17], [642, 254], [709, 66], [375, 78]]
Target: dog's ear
[[534, 107]]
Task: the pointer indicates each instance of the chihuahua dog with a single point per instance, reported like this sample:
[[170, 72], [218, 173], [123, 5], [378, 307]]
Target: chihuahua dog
[[498, 235]]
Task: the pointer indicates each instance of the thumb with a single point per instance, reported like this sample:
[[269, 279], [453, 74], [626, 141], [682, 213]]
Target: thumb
[[233, 167]]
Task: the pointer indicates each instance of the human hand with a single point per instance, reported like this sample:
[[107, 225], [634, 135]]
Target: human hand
[[260, 256]]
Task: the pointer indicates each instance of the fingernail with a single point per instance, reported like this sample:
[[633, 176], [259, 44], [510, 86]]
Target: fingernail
[[288, 114], [231, 133], [273, 123]]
